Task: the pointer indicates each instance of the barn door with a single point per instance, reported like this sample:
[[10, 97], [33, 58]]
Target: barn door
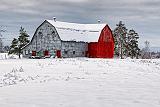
[[46, 53], [33, 53], [58, 53]]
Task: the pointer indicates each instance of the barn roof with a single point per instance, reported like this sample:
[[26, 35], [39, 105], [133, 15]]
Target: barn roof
[[78, 32]]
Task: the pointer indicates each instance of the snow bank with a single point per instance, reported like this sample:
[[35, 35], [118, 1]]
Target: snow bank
[[6, 56], [3, 56], [79, 82]]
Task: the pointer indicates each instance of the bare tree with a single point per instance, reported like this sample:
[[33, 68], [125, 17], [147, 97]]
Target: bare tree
[[1, 37], [146, 54]]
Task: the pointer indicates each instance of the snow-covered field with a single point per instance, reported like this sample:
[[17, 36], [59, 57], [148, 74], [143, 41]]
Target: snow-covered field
[[79, 82]]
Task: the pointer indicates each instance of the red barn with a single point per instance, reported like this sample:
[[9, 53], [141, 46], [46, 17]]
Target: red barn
[[67, 40], [104, 48]]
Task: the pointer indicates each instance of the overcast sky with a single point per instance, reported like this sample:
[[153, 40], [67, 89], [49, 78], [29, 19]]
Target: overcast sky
[[141, 15]]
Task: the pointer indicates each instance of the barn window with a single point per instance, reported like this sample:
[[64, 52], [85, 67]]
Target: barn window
[[66, 52], [39, 33], [53, 32], [74, 52]]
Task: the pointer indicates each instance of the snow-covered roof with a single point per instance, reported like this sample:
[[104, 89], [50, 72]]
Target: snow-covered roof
[[77, 32]]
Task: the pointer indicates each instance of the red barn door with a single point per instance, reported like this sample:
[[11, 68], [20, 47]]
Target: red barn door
[[58, 53], [46, 53], [33, 53]]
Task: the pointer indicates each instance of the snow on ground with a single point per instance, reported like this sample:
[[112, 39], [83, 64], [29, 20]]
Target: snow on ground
[[6, 56], [79, 82]]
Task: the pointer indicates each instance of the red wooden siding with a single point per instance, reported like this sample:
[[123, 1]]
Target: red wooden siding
[[104, 48], [106, 35]]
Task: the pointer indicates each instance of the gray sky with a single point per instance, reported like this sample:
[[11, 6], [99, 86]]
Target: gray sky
[[141, 15]]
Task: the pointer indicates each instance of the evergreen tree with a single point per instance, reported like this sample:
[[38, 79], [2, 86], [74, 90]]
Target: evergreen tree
[[120, 33], [23, 40], [116, 52], [14, 47], [18, 44], [132, 41], [1, 45]]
